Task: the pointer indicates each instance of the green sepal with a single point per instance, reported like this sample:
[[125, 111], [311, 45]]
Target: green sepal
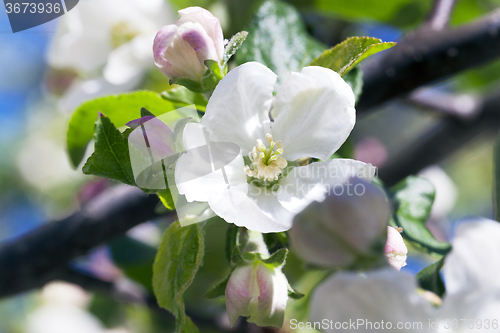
[[278, 258], [292, 293], [219, 290], [190, 84], [181, 96], [237, 257]]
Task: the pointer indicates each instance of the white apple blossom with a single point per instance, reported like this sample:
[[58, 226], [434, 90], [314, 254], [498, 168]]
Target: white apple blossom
[[311, 115], [471, 302], [108, 43]]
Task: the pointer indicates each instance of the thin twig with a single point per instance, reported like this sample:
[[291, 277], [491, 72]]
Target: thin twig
[[440, 14]]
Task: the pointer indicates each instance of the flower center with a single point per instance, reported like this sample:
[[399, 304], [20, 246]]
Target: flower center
[[122, 33], [266, 162]]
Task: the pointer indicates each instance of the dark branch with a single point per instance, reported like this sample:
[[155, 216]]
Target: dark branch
[[439, 141], [39, 256], [440, 14], [424, 57]]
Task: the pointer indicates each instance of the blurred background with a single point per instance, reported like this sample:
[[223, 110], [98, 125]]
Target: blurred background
[[47, 71]]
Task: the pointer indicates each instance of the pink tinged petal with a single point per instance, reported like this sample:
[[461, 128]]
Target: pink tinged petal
[[269, 308], [385, 294], [238, 293], [163, 39], [209, 23], [152, 135], [306, 184], [472, 265], [395, 248], [200, 42], [238, 110], [314, 113]]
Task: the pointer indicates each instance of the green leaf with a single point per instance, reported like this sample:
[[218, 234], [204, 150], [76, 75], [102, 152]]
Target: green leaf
[[379, 10], [232, 240], [166, 198], [278, 39], [355, 79], [345, 56], [119, 108], [194, 86], [292, 293], [215, 68], [413, 198], [496, 204], [145, 113], [135, 258], [278, 258], [178, 259], [181, 96], [111, 156], [430, 279], [219, 290], [233, 45]]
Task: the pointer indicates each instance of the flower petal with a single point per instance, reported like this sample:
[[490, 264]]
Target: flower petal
[[314, 113], [210, 24], [473, 263], [238, 111], [238, 293], [385, 294], [269, 310], [252, 208], [311, 182]]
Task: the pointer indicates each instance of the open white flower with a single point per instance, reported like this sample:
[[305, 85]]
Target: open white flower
[[471, 273], [108, 43], [311, 115]]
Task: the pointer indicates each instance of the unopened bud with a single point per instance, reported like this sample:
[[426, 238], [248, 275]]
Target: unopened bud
[[180, 49], [395, 248]]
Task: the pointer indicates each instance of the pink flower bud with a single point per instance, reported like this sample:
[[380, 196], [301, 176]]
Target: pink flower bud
[[395, 249], [181, 49], [348, 226], [257, 291]]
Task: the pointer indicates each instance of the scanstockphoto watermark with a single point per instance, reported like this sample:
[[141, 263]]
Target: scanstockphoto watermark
[[298, 188], [430, 324], [358, 324]]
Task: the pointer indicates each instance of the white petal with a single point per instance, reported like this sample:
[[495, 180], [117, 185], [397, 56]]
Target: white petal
[[386, 295], [474, 262], [238, 293], [129, 60], [311, 182], [212, 184], [269, 310], [314, 113], [238, 111], [252, 208]]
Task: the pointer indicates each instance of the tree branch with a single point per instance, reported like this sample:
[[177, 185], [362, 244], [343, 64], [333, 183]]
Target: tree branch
[[41, 255], [423, 57], [441, 140]]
